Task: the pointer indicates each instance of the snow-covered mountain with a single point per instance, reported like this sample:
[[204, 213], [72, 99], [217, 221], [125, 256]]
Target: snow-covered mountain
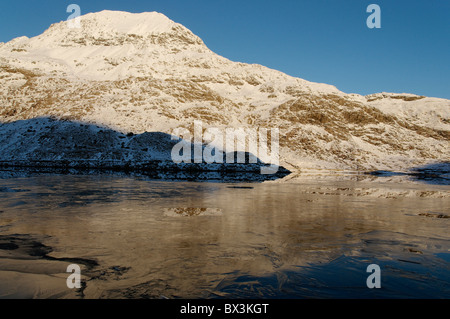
[[145, 73]]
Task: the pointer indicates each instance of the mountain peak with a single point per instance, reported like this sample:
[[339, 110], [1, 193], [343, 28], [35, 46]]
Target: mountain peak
[[114, 28], [129, 23]]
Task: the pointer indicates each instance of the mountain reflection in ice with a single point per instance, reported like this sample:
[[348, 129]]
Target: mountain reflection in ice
[[136, 238]]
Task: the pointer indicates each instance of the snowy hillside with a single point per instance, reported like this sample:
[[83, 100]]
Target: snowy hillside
[[44, 143], [145, 73]]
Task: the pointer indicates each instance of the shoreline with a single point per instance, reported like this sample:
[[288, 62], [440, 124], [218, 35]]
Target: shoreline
[[438, 174]]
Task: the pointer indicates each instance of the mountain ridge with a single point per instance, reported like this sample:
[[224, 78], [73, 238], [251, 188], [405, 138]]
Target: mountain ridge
[[157, 77]]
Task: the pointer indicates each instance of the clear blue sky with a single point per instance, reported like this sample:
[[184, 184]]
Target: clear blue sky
[[317, 40]]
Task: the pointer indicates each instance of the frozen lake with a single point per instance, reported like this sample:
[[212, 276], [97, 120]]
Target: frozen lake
[[138, 238]]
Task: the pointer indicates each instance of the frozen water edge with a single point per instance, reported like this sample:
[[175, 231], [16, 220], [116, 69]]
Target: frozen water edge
[[157, 170]]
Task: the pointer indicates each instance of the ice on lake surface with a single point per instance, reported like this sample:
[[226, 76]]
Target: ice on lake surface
[[140, 238]]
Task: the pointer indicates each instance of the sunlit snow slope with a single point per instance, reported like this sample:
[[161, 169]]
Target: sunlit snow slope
[[145, 73]]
